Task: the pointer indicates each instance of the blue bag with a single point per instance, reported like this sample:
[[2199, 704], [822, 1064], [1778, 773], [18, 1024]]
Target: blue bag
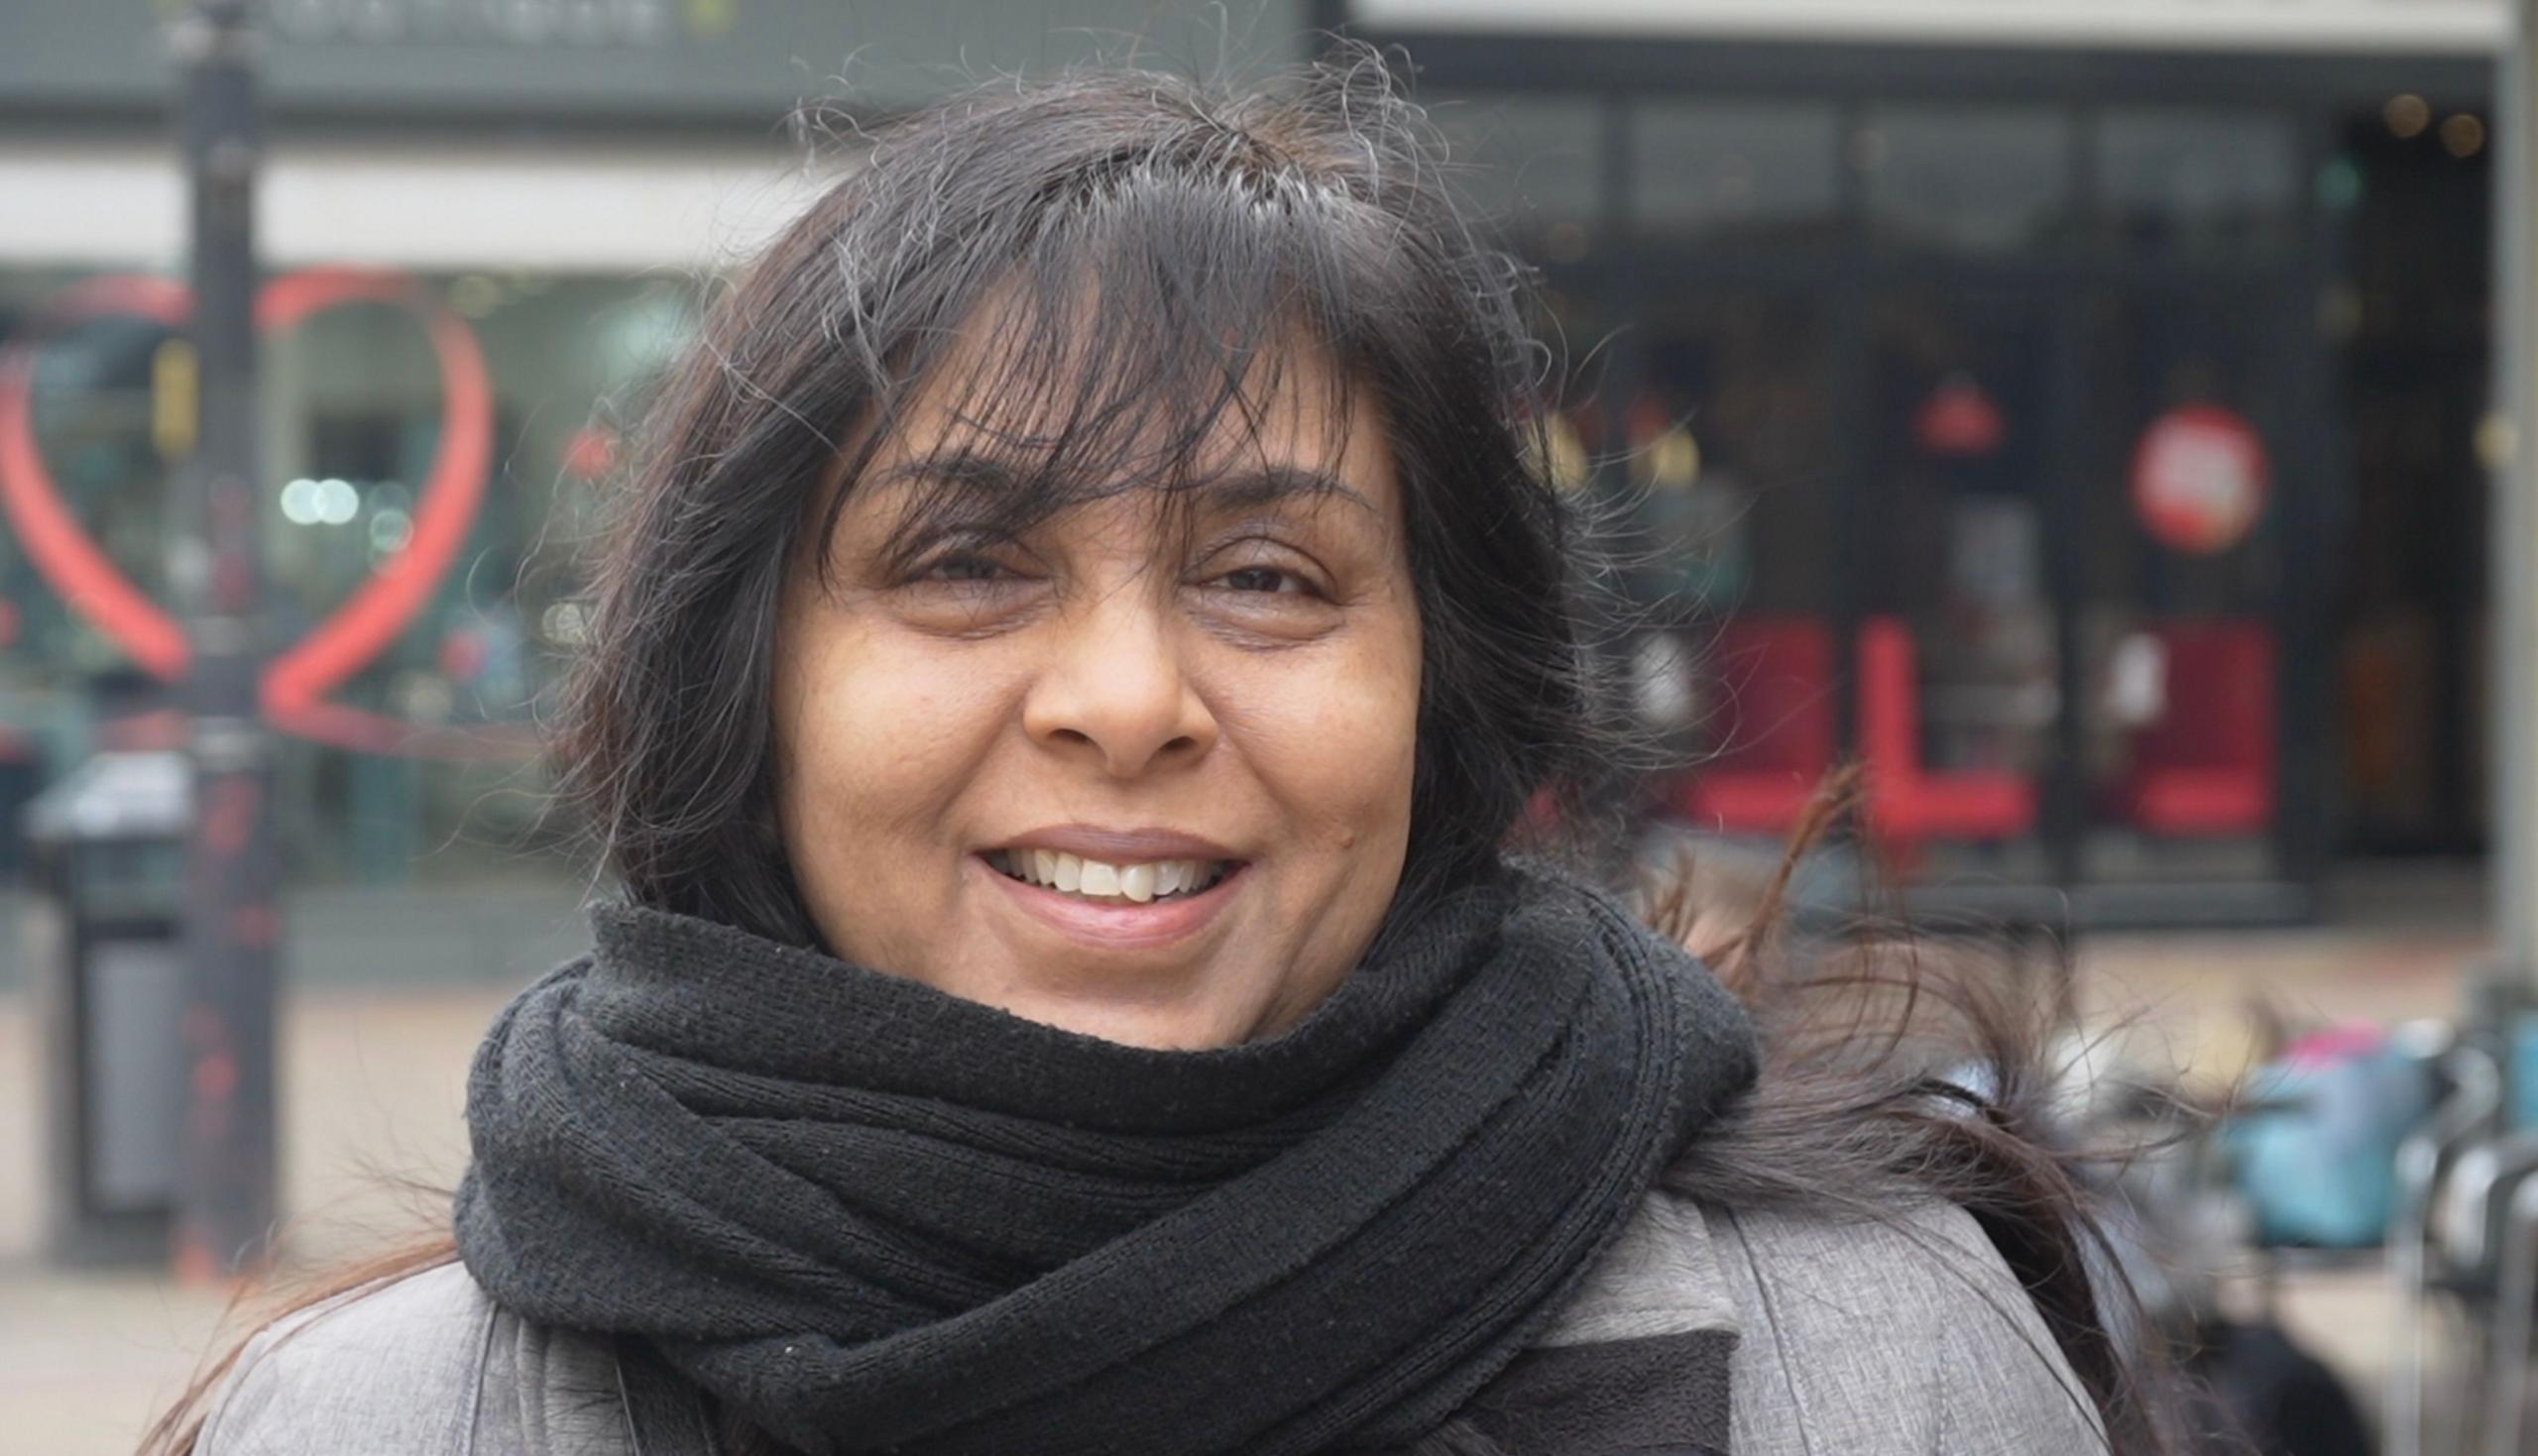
[[2316, 1155]]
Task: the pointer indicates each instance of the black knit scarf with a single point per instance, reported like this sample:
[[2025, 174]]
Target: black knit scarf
[[871, 1216]]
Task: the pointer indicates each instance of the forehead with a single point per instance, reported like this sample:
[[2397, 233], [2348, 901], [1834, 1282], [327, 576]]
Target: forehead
[[1010, 424], [1018, 377]]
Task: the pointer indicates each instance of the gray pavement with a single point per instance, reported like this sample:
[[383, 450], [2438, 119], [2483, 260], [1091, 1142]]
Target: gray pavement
[[401, 936], [373, 1083], [391, 990]]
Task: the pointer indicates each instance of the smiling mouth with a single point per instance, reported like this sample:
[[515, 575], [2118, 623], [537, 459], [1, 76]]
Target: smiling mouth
[[1100, 882]]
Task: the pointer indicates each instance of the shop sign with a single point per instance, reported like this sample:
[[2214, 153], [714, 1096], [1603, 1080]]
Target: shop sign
[[2367, 26], [2199, 478], [491, 22], [439, 62]]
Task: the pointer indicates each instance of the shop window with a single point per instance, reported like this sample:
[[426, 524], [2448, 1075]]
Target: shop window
[[1954, 662], [2197, 178], [1759, 171], [1976, 179], [1728, 444], [2179, 578], [418, 761], [1532, 166]]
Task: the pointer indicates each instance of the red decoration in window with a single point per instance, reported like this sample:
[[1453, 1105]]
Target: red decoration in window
[[2199, 478], [1960, 419]]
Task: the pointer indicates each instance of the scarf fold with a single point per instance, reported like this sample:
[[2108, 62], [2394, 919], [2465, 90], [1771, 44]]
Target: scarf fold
[[872, 1216]]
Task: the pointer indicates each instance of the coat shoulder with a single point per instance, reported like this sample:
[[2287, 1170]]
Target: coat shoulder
[[426, 1365], [396, 1367], [1900, 1335]]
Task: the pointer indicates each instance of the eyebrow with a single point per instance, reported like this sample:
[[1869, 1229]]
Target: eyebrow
[[1275, 485], [1250, 488]]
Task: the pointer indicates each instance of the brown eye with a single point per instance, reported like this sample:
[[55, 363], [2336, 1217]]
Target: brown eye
[[966, 569], [1262, 579]]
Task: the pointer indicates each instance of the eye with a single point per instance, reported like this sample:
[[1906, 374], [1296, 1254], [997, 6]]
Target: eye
[[963, 569], [1267, 578], [1267, 592]]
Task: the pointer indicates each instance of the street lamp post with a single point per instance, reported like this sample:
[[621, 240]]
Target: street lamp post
[[2511, 453], [225, 1204]]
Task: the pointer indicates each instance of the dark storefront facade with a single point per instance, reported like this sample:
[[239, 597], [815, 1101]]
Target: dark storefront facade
[[2082, 440]]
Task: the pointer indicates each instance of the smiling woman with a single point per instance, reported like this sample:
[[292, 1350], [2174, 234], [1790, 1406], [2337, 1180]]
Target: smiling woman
[[1062, 694], [1139, 767]]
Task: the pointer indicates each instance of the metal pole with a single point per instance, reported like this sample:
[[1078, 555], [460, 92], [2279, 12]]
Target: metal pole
[[2512, 453], [1323, 19], [226, 1197]]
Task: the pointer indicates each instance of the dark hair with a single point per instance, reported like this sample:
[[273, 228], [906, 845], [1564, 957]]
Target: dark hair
[[1147, 256], [1154, 251]]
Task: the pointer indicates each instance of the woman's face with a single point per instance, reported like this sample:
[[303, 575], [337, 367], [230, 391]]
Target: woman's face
[[1143, 777]]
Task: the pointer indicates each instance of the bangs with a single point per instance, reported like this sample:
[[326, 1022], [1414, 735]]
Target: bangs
[[1150, 331]]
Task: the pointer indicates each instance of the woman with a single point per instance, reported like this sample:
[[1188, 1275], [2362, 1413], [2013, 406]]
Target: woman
[[1059, 698]]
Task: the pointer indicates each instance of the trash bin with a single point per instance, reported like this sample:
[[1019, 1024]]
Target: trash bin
[[21, 772], [105, 961]]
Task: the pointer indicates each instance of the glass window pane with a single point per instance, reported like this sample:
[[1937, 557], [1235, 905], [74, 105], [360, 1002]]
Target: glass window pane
[[2180, 576], [353, 422], [1752, 167], [1730, 449], [1532, 164], [1975, 178], [1955, 663], [2175, 177]]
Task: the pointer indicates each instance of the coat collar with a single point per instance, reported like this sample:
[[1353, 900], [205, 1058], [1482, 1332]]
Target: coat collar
[[1661, 1277], [1641, 1359]]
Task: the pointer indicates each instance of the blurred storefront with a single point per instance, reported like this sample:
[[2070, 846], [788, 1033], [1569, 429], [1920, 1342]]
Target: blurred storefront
[[522, 203], [2067, 408]]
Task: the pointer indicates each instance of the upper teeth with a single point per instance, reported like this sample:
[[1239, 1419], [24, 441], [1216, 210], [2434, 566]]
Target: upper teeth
[[1101, 880]]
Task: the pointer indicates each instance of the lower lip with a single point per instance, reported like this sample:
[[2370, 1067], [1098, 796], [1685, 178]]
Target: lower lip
[[1122, 925]]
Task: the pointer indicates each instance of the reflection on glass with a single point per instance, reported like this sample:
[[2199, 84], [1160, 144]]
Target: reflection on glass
[[1729, 444], [1975, 178], [1532, 163], [2198, 178], [353, 420], [2179, 649], [1754, 169], [1956, 667]]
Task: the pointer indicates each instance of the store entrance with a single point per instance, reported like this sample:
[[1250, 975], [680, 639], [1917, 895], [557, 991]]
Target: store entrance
[[2021, 545], [2084, 443], [2409, 597]]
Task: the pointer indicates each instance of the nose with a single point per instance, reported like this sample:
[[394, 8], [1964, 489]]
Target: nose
[[1113, 688]]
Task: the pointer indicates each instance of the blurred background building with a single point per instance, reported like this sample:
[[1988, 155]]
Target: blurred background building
[[562, 179], [2070, 406]]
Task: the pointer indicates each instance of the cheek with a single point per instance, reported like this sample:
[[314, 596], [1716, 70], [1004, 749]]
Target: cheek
[[1335, 742], [873, 740]]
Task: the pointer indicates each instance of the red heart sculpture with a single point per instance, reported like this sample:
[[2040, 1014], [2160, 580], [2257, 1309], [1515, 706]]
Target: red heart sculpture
[[295, 680]]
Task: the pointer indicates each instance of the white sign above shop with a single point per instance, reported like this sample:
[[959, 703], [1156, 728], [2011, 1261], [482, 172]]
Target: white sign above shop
[[445, 206], [493, 22], [2422, 27]]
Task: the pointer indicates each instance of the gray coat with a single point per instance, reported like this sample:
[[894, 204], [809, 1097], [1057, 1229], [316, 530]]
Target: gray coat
[[1851, 1339]]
